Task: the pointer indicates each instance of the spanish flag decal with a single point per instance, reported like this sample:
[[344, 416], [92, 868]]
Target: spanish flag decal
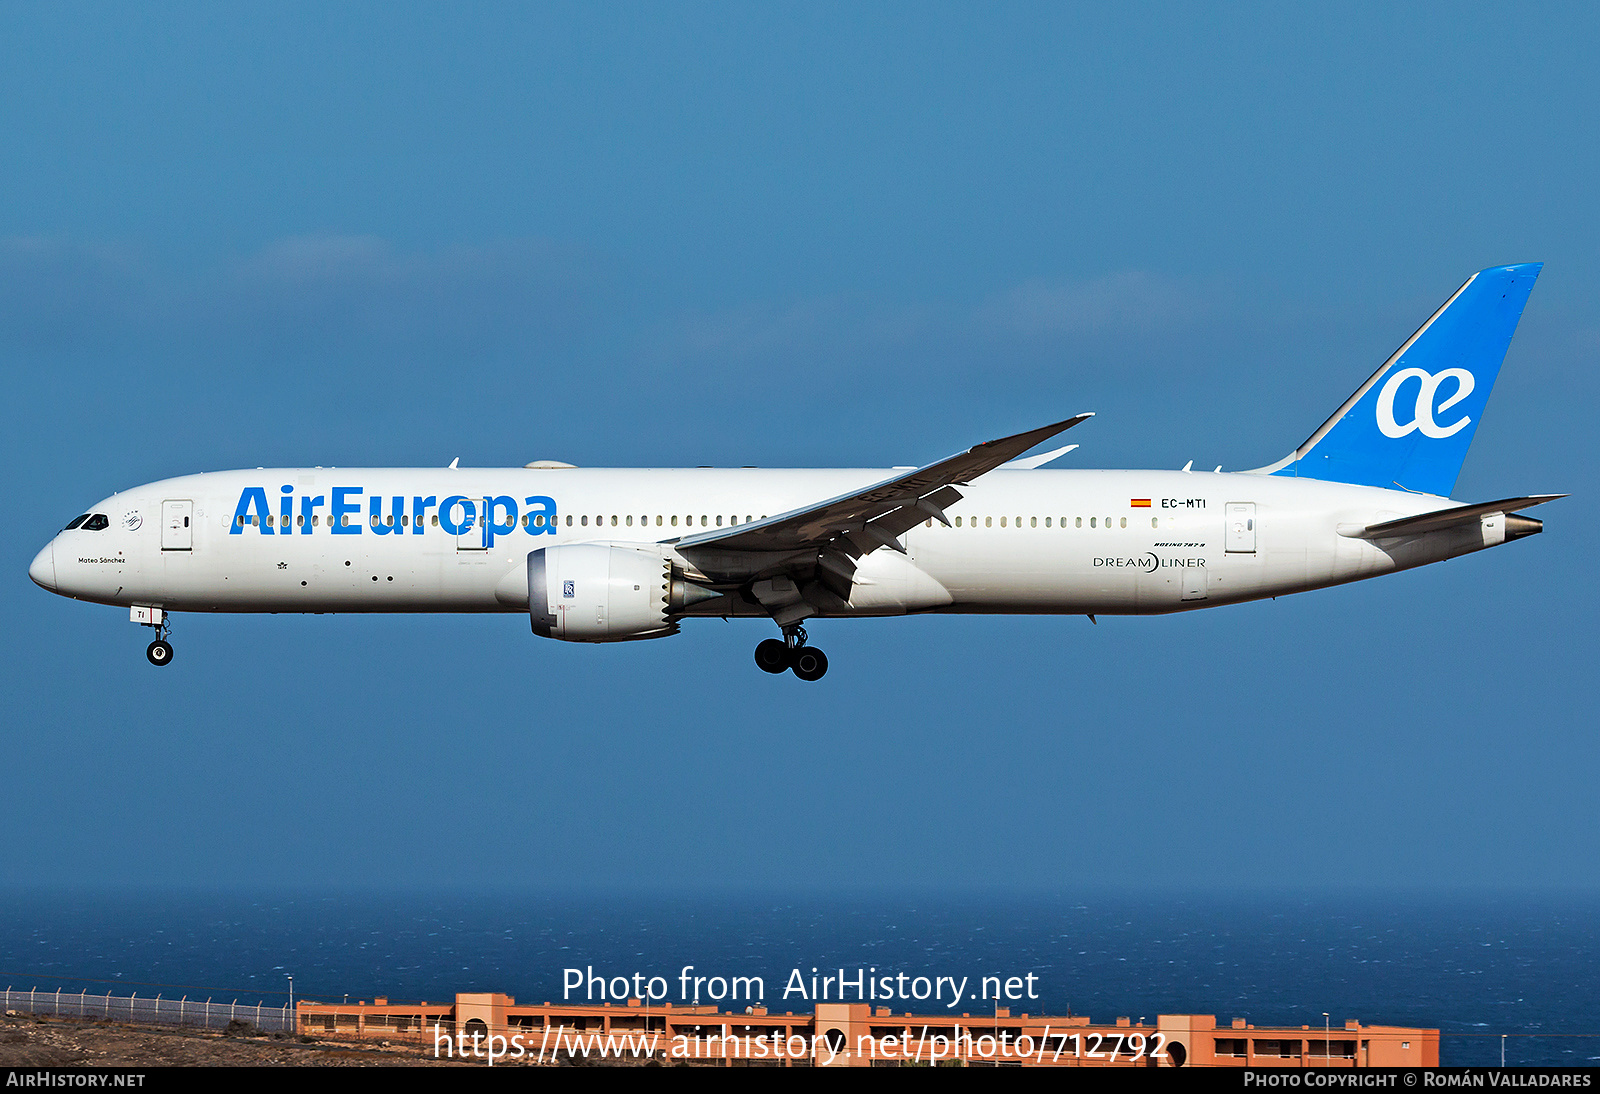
[[1139, 503]]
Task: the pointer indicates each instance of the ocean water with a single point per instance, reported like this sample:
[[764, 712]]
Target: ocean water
[[1475, 966]]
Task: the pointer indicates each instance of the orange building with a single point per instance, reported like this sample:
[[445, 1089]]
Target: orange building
[[493, 1028]]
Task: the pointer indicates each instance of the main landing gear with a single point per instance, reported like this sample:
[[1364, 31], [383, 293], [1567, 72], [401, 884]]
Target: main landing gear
[[792, 654]]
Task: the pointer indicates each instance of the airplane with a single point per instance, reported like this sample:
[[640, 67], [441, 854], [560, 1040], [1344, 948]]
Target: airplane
[[616, 555]]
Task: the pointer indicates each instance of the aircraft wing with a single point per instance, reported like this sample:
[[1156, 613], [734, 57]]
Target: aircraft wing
[[880, 514], [1447, 518], [798, 563]]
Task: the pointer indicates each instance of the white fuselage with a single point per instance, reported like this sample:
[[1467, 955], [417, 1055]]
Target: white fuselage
[[1021, 541]]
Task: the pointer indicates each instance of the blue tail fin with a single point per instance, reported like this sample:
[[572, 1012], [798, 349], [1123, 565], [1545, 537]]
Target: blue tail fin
[[1409, 426]]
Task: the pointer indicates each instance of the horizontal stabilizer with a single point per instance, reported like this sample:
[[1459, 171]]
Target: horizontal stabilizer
[[1446, 518]]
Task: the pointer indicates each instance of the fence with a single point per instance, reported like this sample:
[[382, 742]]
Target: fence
[[152, 1010]]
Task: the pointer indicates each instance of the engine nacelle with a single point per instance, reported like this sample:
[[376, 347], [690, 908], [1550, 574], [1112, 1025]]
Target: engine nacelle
[[596, 592]]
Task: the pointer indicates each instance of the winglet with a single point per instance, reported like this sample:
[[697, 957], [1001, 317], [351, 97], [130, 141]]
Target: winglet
[[1001, 450], [1029, 463]]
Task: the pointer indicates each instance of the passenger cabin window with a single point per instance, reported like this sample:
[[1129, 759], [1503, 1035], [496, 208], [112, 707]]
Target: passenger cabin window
[[96, 523]]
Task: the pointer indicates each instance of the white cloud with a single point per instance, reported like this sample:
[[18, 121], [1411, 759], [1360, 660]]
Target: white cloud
[[1131, 300], [294, 296]]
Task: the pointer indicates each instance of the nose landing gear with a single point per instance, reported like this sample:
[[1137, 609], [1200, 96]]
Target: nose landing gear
[[159, 652], [792, 654]]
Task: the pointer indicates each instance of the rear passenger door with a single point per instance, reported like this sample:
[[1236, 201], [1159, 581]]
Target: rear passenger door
[[1241, 528]]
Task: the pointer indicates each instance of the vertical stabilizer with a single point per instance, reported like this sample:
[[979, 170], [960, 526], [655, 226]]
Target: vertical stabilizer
[[1409, 426]]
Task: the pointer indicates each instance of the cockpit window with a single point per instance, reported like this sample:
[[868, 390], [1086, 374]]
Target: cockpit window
[[75, 522], [96, 523]]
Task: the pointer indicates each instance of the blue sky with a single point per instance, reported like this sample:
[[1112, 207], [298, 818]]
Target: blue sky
[[802, 235]]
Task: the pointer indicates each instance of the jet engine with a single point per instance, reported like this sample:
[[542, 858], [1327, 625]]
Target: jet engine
[[599, 592]]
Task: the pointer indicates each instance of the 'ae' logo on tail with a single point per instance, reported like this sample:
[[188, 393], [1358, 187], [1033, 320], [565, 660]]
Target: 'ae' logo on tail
[[1423, 417]]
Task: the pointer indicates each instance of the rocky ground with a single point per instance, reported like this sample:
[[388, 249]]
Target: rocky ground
[[28, 1041]]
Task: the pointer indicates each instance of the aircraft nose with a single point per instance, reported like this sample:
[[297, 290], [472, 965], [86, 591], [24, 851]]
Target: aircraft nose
[[43, 570]]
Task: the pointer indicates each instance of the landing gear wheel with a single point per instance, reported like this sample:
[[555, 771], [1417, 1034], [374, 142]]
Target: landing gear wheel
[[772, 656], [159, 652], [809, 663]]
